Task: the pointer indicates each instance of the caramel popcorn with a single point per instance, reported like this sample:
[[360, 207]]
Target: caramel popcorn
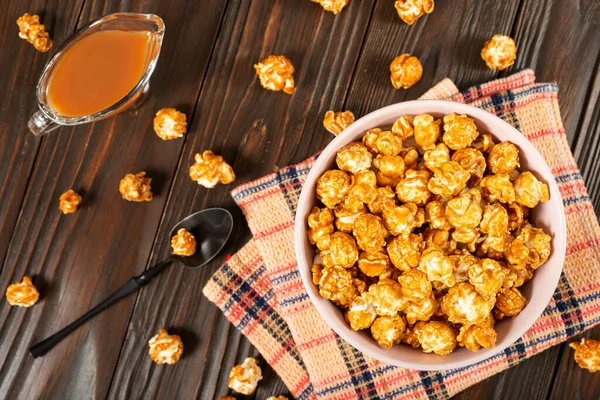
[[498, 188], [516, 215], [390, 166], [463, 305], [538, 244], [336, 122], [320, 223], [385, 197], [406, 70], [361, 314], [136, 187], [317, 273], [244, 378], [504, 158], [415, 285], [405, 251], [278, 397], [69, 201], [463, 261], [385, 296], [382, 142], [439, 239], [334, 6], [516, 277], [165, 348], [402, 219], [337, 285], [464, 211], [499, 52], [487, 277], [529, 191], [276, 73], [170, 124], [495, 220], [22, 294], [587, 354], [495, 246], [484, 143], [354, 157], [474, 337], [403, 127], [413, 188], [332, 187], [426, 131], [436, 337], [421, 310], [369, 232], [342, 251], [471, 160], [345, 215], [183, 243], [438, 266], [411, 10], [35, 33], [210, 170], [448, 180], [459, 131], [227, 398], [509, 303], [435, 215], [436, 157], [386, 330], [410, 156]]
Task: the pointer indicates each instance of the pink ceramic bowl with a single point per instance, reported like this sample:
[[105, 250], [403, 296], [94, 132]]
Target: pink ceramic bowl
[[549, 215]]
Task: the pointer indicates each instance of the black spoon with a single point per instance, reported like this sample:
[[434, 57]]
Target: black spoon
[[211, 228]]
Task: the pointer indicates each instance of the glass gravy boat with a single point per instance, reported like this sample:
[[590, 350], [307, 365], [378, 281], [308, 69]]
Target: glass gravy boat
[[46, 119]]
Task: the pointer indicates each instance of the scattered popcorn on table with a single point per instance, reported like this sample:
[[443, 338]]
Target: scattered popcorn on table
[[183, 243], [170, 124], [209, 170], [244, 378], [136, 187], [423, 236], [276, 73], [165, 348], [22, 294], [336, 122], [499, 52], [411, 10], [69, 201], [334, 6], [587, 354], [406, 70], [35, 33]]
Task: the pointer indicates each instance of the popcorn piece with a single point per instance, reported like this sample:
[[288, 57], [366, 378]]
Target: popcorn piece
[[405, 251], [410, 338], [136, 187], [317, 273], [499, 52], [471, 160], [35, 33], [320, 223], [439, 239], [362, 191], [436, 337], [436, 157], [387, 330], [427, 131], [464, 211], [411, 10], [504, 158], [415, 285], [402, 219], [537, 242], [421, 310], [369, 232], [406, 70], [495, 246], [438, 266], [448, 180], [165, 348], [474, 337], [385, 296], [516, 277], [170, 124], [334, 6], [459, 131], [332, 187], [210, 170], [361, 314], [342, 251], [336, 122], [487, 277], [509, 303], [469, 236], [484, 143], [529, 190], [403, 127], [587, 354], [413, 188], [435, 215], [337, 285], [69, 201], [183, 243], [498, 188], [22, 294], [463, 261], [495, 220], [516, 216], [390, 166], [463, 305], [373, 263], [276, 73], [346, 214], [385, 196], [410, 156], [244, 378], [382, 142], [354, 157]]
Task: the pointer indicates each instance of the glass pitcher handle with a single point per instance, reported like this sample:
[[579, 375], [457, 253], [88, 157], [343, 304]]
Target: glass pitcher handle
[[40, 124]]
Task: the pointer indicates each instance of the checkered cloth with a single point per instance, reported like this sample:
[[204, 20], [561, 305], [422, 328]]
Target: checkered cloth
[[260, 291]]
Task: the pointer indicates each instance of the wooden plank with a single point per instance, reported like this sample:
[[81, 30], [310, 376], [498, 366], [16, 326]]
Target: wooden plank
[[78, 259], [255, 130]]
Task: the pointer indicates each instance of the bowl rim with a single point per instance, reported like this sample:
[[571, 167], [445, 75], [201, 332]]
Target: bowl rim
[[370, 121]]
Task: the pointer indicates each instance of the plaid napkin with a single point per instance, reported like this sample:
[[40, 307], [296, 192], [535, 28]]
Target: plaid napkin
[[260, 291]]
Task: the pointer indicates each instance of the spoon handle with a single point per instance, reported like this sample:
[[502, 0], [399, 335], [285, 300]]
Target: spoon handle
[[131, 286]]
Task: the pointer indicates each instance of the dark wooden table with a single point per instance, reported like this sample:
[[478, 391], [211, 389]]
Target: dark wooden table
[[206, 71]]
